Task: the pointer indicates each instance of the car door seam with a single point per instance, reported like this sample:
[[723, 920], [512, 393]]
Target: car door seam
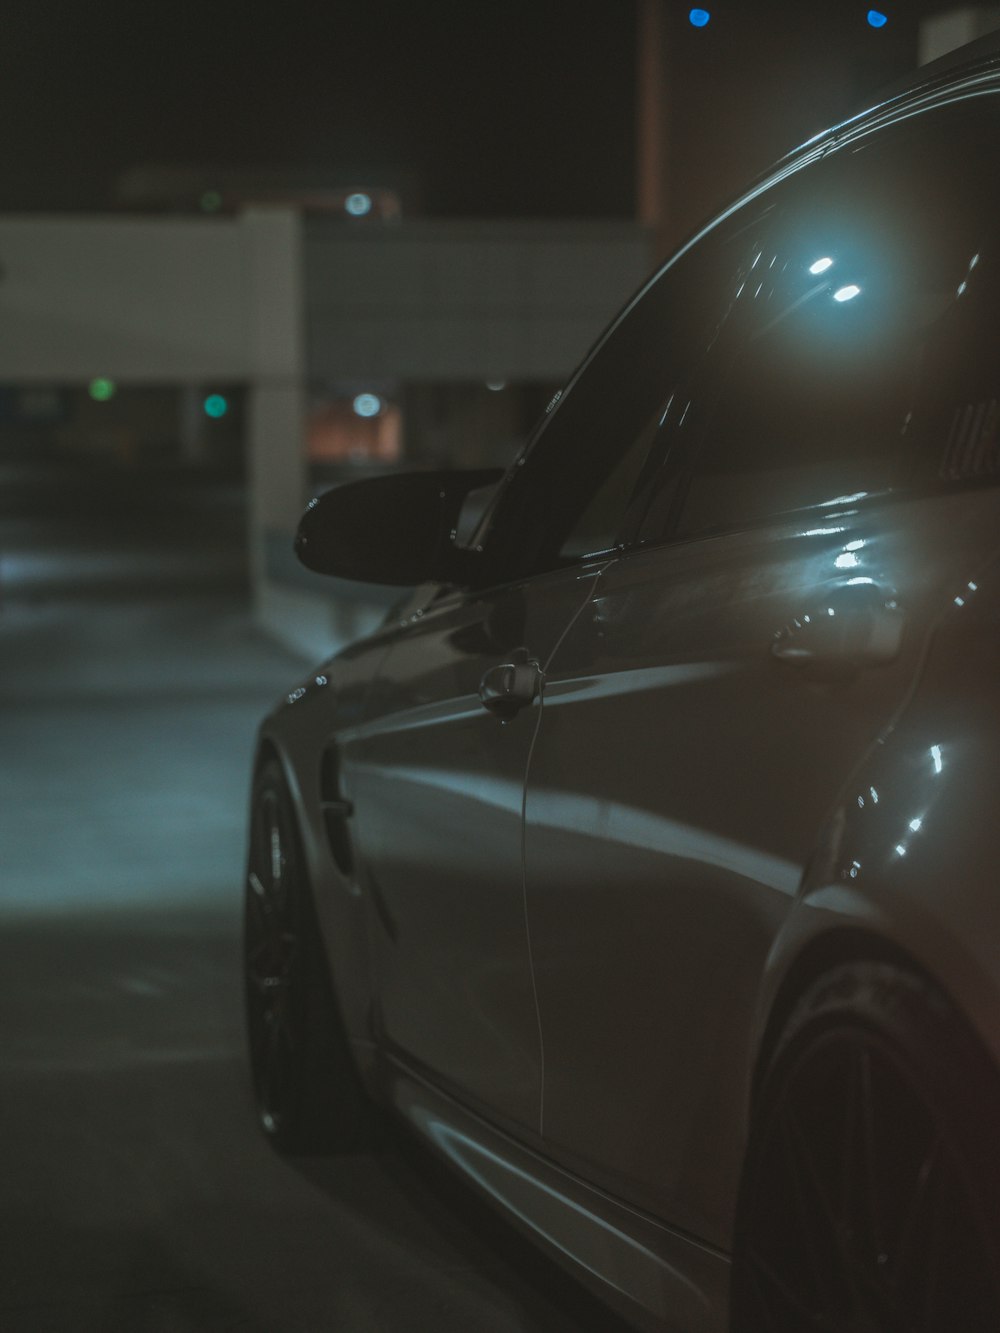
[[584, 603]]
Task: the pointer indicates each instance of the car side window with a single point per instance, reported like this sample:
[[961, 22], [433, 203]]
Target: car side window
[[570, 493], [878, 273]]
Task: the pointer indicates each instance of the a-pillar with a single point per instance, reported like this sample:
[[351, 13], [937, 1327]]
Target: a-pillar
[[276, 465]]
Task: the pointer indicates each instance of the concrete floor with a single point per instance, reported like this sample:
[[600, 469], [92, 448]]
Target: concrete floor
[[137, 1195]]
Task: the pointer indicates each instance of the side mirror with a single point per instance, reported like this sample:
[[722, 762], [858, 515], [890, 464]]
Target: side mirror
[[398, 529]]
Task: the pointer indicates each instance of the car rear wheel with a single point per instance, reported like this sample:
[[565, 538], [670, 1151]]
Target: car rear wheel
[[871, 1193], [308, 1096]]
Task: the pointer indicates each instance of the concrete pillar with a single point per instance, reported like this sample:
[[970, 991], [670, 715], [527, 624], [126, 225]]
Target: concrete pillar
[[652, 147], [276, 465], [190, 423]]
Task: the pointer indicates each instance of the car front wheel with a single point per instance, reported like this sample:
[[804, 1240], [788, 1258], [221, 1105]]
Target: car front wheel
[[308, 1096]]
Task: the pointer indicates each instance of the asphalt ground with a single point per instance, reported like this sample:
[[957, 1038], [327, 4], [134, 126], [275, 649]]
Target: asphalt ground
[[137, 1194]]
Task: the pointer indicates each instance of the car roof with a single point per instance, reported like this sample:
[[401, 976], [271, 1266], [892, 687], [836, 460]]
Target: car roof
[[983, 52], [980, 56]]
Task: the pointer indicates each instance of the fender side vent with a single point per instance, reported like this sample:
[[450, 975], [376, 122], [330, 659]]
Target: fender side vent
[[337, 810]]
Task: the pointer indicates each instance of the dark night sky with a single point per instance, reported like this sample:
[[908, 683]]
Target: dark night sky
[[501, 106]]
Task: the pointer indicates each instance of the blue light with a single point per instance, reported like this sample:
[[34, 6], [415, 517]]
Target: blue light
[[877, 19], [358, 204], [699, 17], [367, 405]]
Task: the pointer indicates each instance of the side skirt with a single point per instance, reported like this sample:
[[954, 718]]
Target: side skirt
[[658, 1278]]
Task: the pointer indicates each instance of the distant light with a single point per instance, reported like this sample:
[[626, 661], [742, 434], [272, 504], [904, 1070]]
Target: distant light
[[358, 204], [211, 201], [101, 390], [915, 825], [936, 756], [821, 265], [847, 293], [876, 19], [215, 406], [367, 405], [699, 17], [846, 560], [496, 385]]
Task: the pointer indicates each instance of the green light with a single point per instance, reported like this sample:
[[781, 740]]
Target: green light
[[101, 390], [211, 201], [215, 405]]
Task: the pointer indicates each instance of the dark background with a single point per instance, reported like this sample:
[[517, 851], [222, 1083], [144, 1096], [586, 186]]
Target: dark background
[[505, 108]]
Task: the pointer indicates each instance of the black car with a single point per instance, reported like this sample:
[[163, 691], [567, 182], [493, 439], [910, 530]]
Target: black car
[[644, 863]]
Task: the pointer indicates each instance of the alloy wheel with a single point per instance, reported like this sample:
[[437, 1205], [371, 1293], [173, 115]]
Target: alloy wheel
[[271, 959], [861, 1215]]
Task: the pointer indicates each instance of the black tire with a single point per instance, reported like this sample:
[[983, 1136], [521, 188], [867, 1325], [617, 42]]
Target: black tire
[[308, 1095], [871, 1194]]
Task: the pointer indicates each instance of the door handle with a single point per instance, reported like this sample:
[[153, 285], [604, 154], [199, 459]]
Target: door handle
[[505, 689], [854, 627]]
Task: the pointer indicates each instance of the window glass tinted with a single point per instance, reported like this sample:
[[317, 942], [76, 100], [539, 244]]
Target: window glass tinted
[[570, 493], [869, 351]]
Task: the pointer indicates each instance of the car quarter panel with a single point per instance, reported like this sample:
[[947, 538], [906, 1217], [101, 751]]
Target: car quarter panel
[[910, 850], [677, 790]]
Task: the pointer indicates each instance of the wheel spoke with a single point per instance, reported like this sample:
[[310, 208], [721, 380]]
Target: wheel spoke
[[867, 1193], [276, 854], [862, 1243], [260, 917], [906, 1262], [818, 1228], [270, 1073], [772, 1287]]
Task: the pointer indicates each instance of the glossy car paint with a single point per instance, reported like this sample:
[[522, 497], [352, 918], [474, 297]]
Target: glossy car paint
[[438, 785], [564, 967], [656, 892]]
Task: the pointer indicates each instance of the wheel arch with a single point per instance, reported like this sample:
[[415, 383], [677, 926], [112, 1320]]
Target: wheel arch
[[820, 955]]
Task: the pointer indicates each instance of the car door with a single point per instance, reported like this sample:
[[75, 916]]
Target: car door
[[436, 773], [437, 784], [730, 671]]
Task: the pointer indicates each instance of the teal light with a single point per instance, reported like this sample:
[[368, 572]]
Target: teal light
[[101, 390], [215, 405], [368, 404]]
